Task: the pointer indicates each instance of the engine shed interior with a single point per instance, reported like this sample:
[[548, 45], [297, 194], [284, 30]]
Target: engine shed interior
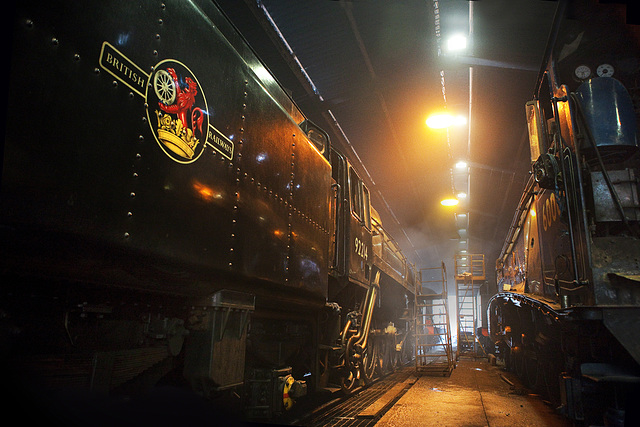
[[250, 200]]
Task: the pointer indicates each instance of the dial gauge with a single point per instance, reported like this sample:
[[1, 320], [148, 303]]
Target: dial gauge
[[583, 72], [605, 70]]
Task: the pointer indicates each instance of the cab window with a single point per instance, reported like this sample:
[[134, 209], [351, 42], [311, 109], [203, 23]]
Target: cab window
[[365, 206], [360, 199], [356, 200]]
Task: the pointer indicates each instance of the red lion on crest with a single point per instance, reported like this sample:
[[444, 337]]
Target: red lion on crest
[[185, 98]]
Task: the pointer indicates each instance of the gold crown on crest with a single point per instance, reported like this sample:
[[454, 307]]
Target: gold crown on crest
[[176, 136]]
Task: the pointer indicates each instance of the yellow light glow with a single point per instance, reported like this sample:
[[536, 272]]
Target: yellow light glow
[[459, 120], [439, 121], [442, 121], [205, 192], [449, 202]]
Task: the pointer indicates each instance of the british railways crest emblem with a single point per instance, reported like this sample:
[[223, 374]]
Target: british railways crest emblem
[[177, 111]]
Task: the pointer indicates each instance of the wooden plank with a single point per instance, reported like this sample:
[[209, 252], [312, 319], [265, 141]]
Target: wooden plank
[[383, 401]]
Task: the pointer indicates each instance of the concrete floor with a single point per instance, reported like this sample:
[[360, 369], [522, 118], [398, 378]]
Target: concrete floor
[[474, 395]]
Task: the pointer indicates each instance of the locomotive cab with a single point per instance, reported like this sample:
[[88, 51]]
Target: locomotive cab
[[353, 228]]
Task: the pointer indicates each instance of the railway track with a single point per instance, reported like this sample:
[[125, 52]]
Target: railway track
[[364, 407]]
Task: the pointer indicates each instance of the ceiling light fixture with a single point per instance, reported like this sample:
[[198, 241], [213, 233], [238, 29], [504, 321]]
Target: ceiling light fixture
[[439, 121], [442, 121], [456, 43], [450, 201], [461, 164]]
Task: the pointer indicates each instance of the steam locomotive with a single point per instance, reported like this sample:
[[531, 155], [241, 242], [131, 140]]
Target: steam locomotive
[[170, 216], [566, 317]]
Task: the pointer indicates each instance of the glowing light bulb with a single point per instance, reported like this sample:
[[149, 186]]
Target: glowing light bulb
[[449, 202]]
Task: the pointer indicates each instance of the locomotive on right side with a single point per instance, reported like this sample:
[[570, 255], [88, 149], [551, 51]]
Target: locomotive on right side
[[566, 318]]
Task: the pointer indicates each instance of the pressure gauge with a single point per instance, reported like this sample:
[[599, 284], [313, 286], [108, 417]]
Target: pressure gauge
[[605, 70], [583, 72]]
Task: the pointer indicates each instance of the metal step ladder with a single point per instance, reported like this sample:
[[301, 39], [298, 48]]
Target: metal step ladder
[[434, 355], [470, 276]]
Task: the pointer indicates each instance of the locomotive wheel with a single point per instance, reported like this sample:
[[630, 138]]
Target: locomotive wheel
[[517, 363], [407, 352], [369, 362], [531, 370], [549, 375], [379, 357], [390, 358], [349, 381]]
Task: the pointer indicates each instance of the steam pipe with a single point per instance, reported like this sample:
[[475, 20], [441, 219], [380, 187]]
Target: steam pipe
[[361, 337]]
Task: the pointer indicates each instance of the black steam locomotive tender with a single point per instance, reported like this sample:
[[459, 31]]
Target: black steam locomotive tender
[[169, 216]]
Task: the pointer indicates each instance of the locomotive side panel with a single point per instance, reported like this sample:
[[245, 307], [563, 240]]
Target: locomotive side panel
[[102, 162], [312, 218], [554, 241], [264, 164]]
